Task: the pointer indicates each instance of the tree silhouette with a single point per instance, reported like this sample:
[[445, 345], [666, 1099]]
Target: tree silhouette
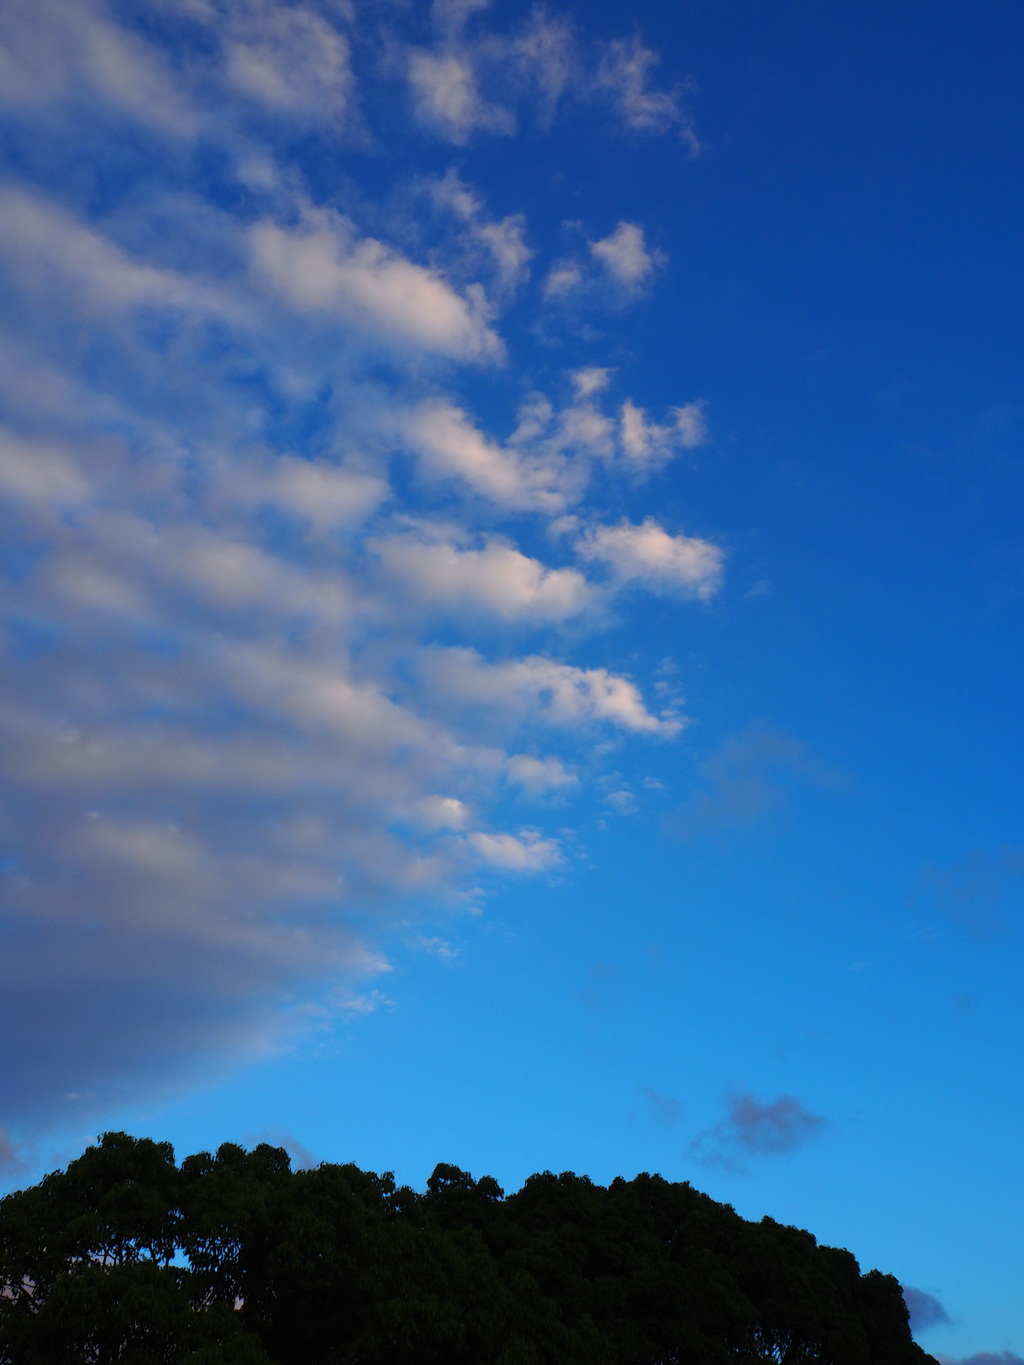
[[236, 1259]]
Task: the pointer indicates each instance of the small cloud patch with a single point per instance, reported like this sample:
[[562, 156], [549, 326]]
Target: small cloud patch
[[749, 780], [665, 1110], [754, 1129], [924, 1309], [985, 1358]]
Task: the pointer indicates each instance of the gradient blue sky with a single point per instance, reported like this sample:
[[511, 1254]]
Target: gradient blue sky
[[512, 581]]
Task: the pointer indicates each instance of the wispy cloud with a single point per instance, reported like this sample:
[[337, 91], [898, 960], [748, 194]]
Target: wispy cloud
[[665, 1110], [11, 1161], [748, 781], [625, 75], [925, 1310], [976, 893], [755, 1129], [601, 988], [613, 272], [984, 1358], [477, 79], [289, 58]]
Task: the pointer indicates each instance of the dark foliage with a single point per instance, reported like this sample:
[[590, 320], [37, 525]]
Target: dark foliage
[[235, 1259]]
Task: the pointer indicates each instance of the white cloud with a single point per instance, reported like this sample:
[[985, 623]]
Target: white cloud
[[619, 271], [536, 66], [539, 776], [289, 59], [237, 574], [496, 578], [54, 254], [39, 473], [649, 555], [502, 240], [437, 947], [225, 718], [624, 255], [650, 444], [450, 446], [353, 1004], [544, 53], [589, 380], [624, 76], [541, 689], [446, 98], [562, 279], [691, 425], [505, 242], [527, 853], [325, 494], [322, 266], [441, 812], [56, 51], [547, 463]]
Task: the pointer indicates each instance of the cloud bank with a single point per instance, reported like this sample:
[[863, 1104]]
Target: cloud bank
[[280, 652]]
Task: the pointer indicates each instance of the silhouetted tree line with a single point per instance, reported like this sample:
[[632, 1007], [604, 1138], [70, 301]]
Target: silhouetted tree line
[[236, 1259]]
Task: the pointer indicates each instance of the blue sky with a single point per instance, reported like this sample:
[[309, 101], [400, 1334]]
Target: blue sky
[[511, 592]]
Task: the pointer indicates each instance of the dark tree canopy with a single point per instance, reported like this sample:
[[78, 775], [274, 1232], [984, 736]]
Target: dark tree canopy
[[235, 1259]]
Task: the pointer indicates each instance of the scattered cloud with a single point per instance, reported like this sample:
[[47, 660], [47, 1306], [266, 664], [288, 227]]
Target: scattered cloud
[[624, 76], [503, 241], [663, 1108], [545, 54], [556, 693], [976, 893], [748, 780], [752, 1129], [72, 54], [622, 801], [618, 270], [525, 852], [589, 380], [549, 462], [564, 277], [984, 1358], [924, 1309], [477, 80], [447, 100], [450, 446], [539, 776], [601, 989], [354, 1004], [323, 266], [11, 1162], [288, 58], [495, 577], [647, 554], [437, 947], [625, 258]]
